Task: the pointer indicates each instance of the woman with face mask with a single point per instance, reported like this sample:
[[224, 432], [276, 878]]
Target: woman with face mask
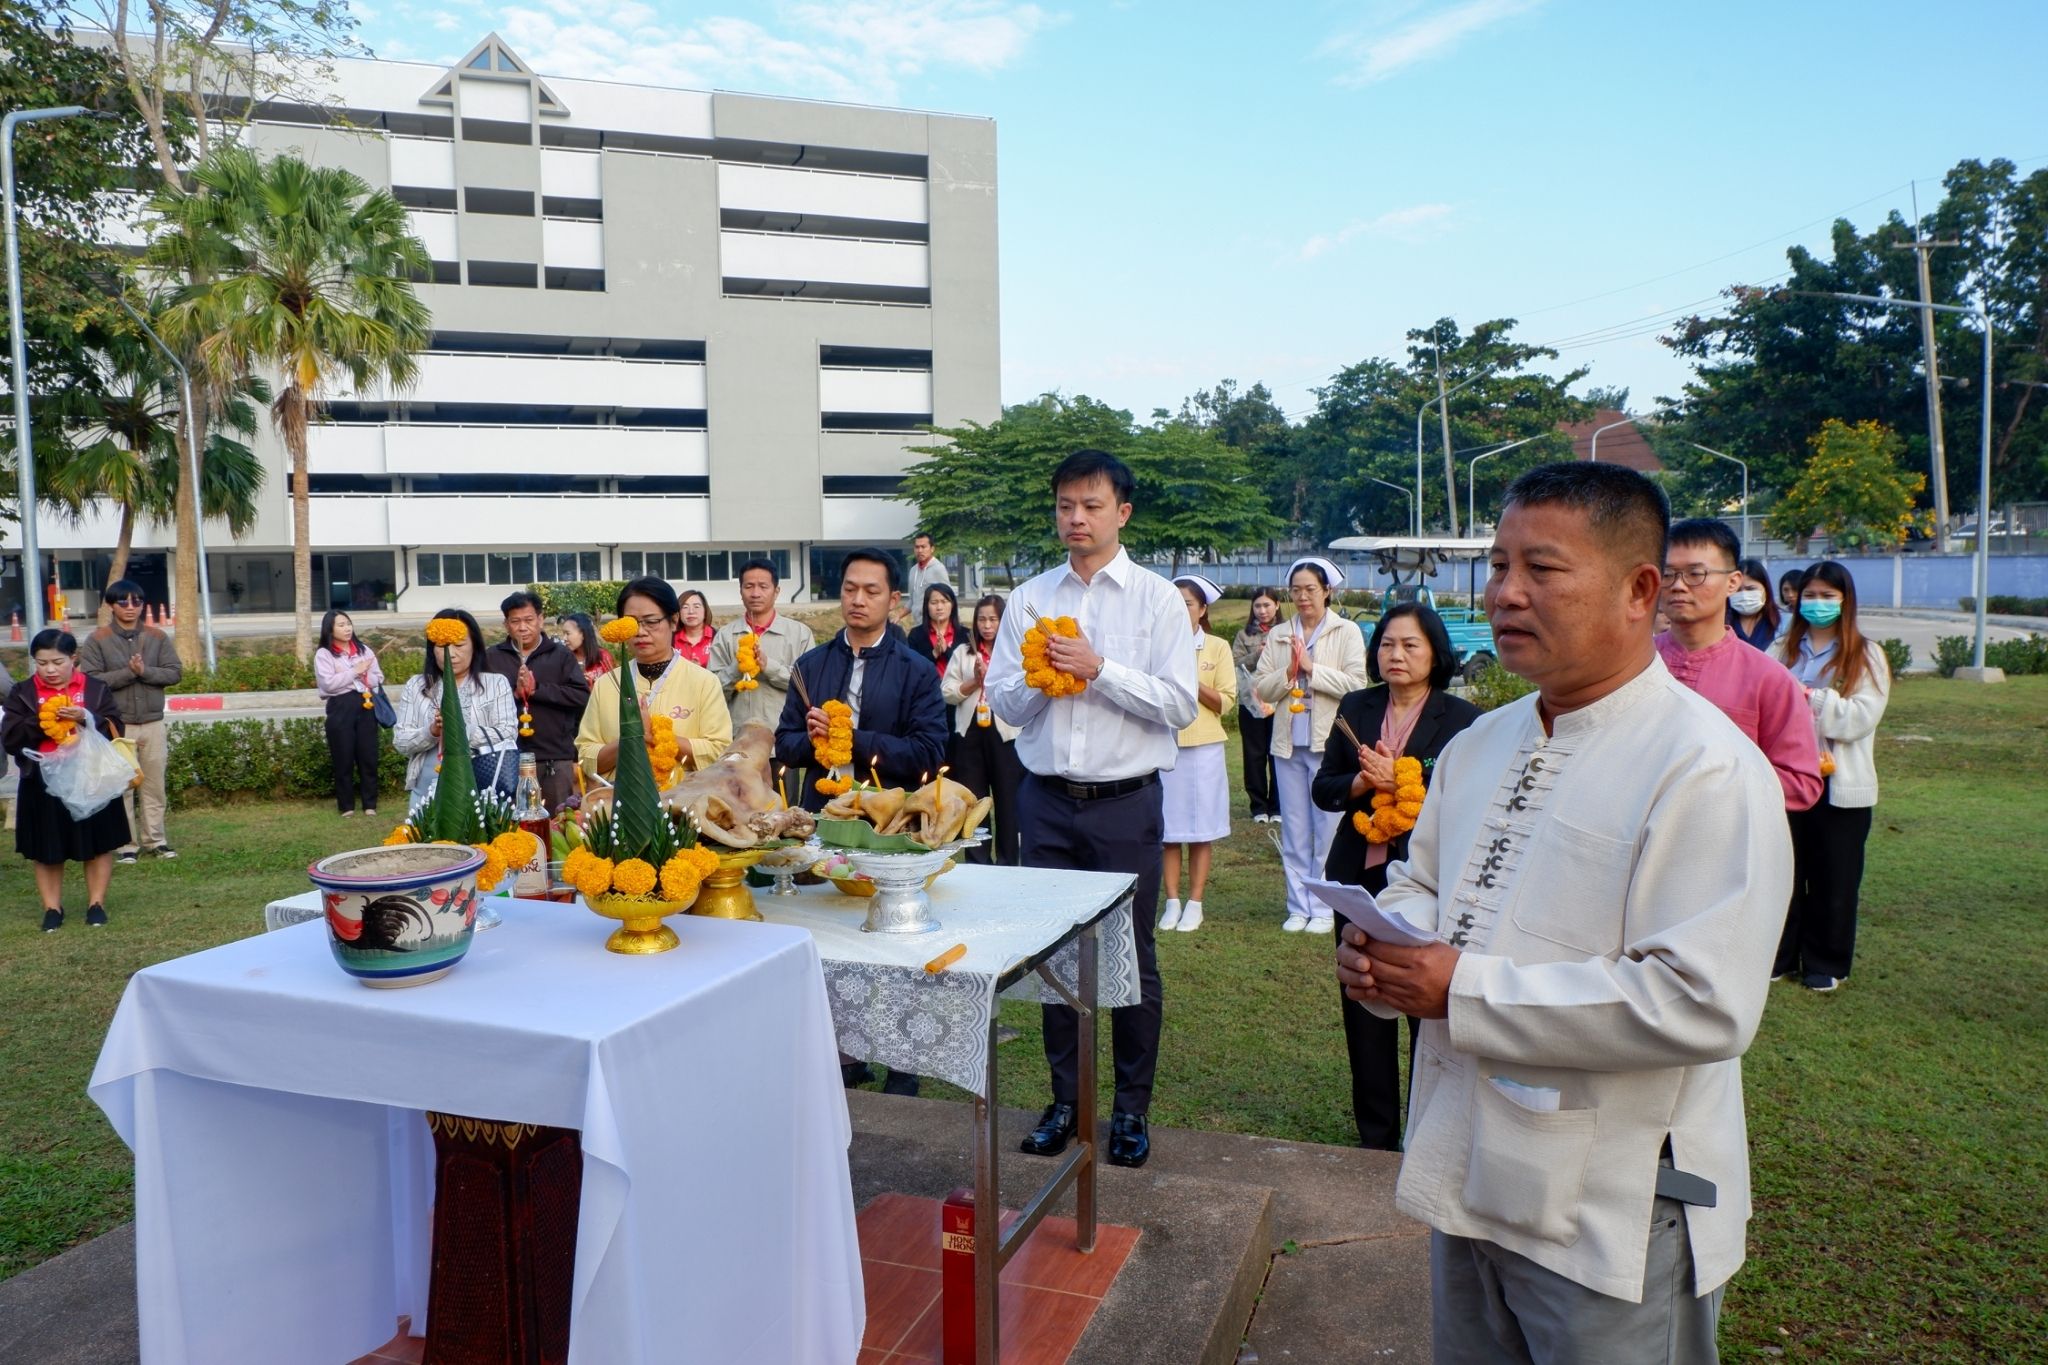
[[1751, 612], [1848, 682]]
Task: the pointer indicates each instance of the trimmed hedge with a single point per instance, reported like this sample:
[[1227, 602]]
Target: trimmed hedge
[[2004, 604], [1495, 687], [261, 760], [2017, 657], [1898, 654], [284, 673], [599, 600]]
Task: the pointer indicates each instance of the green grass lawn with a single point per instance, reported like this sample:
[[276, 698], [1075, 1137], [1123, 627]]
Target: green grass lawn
[[1899, 1146]]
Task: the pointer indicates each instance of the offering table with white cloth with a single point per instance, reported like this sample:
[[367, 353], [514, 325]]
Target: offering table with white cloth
[[1052, 933], [282, 1156]]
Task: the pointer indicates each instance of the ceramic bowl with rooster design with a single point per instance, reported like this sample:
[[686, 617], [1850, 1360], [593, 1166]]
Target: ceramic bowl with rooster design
[[402, 915]]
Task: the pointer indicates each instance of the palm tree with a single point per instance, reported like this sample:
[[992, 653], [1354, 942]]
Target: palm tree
[[125, 445], [303, 271]]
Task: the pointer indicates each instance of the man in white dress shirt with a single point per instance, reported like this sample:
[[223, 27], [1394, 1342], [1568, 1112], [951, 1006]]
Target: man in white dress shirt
[[1604, 865], [1092, 798]]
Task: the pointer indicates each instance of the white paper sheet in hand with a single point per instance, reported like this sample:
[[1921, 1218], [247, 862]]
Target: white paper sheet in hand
[[1356, 904]]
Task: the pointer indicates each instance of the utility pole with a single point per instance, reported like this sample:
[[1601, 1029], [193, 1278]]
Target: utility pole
[[1920, 246], [1443, 412]]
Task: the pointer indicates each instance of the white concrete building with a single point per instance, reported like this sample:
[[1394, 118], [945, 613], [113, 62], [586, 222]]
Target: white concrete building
[[672, 329]]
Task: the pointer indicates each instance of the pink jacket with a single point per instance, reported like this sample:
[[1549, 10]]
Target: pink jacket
[[1763, 699], [334, 674]]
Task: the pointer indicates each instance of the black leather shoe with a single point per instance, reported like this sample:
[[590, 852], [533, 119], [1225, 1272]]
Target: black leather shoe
[[1055, 1127], [855, 1074], [900, 1083], [1128, 1145]]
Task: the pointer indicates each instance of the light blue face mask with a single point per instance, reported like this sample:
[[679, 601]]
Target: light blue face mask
[[1820, 611]]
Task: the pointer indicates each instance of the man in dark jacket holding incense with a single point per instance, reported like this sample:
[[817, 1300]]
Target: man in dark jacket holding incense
[[549, 685], [900, 723]]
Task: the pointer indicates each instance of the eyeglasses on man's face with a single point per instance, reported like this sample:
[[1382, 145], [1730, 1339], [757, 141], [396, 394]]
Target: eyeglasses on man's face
[[1693, 575]]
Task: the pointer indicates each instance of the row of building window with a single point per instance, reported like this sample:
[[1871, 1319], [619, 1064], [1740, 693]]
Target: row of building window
[[542, 566], [697, 566]]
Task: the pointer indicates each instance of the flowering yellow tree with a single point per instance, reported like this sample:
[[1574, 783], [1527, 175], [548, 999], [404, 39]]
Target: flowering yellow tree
[[1853, 490]]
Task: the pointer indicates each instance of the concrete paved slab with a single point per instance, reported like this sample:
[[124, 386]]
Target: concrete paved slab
[[1345, 1303], [74, 1309]]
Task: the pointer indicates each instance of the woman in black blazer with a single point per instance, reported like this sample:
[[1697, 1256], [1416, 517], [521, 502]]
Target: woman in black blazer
[[1410, 713]]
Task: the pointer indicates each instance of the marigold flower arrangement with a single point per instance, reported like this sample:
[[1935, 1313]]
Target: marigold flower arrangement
[[1394, 813], [60, 728], [1038, 669], [836, 750], [747, 654], [619, 631], [457, 812], [664, 750], [1827, 764]]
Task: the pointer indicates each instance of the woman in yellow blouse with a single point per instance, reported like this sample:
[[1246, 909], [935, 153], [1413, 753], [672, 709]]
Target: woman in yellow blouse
[[668, 685], [1197, 790]]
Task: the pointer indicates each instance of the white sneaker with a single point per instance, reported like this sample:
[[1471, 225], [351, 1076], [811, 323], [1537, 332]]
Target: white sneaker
[[1319, 926], [1191, 918], [1295, 924], [1171, 919]]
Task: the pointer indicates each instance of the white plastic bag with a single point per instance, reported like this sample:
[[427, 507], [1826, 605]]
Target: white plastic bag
[[85, 774]]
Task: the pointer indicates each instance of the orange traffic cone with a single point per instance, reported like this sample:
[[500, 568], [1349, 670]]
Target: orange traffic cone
[[14, 627], [170, 617]]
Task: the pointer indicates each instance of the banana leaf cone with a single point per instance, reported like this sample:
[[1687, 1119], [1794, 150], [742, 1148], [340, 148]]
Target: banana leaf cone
[[453, 812], [636, 807]]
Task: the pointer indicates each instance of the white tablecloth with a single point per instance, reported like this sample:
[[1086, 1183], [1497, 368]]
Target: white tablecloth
[[888, 1009], [283, 1165]]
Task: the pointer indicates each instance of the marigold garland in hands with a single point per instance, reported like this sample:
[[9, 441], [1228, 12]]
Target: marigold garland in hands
[[60, 728], [1394, 813], [747, 654], [1038, 669], [835, 751], [664, 750]]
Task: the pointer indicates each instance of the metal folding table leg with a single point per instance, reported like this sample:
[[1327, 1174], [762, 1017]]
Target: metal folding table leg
[[988, 1251]]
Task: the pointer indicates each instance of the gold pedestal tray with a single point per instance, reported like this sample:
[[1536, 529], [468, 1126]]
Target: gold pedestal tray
[[641, 929], [725, 893]]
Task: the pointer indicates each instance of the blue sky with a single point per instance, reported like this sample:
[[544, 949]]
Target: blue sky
[[1194, 191]]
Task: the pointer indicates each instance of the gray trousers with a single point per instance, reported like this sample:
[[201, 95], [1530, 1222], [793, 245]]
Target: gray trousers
[[1491, 1306]]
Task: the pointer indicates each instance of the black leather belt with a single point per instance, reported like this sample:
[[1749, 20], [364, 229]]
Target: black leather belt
[[1683, 1186], [1098, 791]]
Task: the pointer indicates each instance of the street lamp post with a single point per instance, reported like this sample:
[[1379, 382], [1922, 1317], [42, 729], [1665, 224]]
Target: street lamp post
[[1593, 451], [1982, 312], [1398, 489], [1420, 413], [31, 553], [1745, 486], [191, 472], [1472, 489]]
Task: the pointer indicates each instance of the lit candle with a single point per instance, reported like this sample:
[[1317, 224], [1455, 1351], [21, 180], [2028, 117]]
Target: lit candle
[[782, 790]]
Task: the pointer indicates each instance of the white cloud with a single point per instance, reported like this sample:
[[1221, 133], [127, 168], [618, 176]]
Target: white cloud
[[859, 50], [1411, 224], [1375, 53]]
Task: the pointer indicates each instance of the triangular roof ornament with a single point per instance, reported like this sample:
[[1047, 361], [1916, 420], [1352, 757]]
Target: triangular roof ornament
[[493, 57]]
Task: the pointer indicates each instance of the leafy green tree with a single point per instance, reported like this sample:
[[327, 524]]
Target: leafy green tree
[[1775, 365], [1852, 490], [986, 491], [304, 272], [1196, 498], [122, 444]]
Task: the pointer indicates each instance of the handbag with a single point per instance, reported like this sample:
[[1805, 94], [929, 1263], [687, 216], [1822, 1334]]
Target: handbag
[[381, 707], [126, 748]]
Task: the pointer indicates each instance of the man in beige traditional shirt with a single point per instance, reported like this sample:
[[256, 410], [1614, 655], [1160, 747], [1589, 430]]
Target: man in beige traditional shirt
[[778, 640], [1605, 866]]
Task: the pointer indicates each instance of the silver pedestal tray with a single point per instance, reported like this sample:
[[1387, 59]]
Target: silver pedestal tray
[[900, 905], [783, 864]]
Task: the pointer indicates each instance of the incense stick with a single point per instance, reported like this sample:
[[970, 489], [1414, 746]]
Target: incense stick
[[796, 675], [1350, 733]]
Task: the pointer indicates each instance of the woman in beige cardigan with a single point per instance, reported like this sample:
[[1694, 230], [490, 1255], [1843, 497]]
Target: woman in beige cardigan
[[1309, 663]]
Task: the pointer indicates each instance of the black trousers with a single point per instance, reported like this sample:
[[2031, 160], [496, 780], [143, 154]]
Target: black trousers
[[352, 746], [987, 764], [1371, 1043], [1121, 834], [1256, 734], [1827, 875]]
